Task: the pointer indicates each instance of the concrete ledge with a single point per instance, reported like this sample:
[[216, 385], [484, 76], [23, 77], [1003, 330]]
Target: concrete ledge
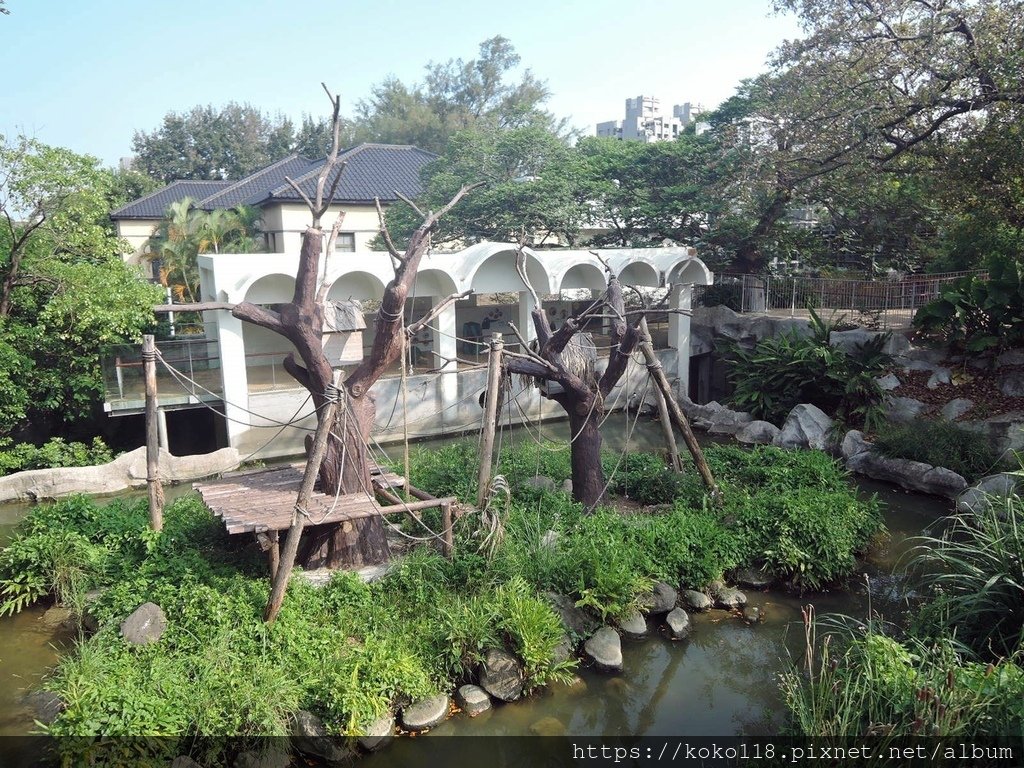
[[125, 472]]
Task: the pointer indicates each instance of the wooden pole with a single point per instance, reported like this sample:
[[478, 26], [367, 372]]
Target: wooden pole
[[448, 541], [490, 417], [291, 543], [156, 490], [663, 417], [677, 415]]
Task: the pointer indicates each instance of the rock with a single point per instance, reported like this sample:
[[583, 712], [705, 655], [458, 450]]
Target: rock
[[755, 578], [550, 540], [146, 625], [378, 734], [567, 486], [576, 620], [727, 597], [605, 649], [678, 622], [888, 382], [425, 714], [912, 475], [634, 626], [994, 488], [752, 614], [548, 726], [310, 737], [919, 365], [59, 617], [853, 443], [1010, 358], [563, 651], [268, 758], [661, 600], [757, 433], [848, 341], [472, 699], [939, 376], [903, 409], [45, 705], [728, 422], [1012, 384], [696, 601], [1005, 431], [501, 675], [540, 483], [184, 761], [807, 426], [956, 408]]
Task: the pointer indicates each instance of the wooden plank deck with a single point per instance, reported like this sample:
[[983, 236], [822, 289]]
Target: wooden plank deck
[[257, 500]]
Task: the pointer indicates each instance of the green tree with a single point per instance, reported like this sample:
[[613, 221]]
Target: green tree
[[209, 142], [454, 96], [66, 292], [533, 186]]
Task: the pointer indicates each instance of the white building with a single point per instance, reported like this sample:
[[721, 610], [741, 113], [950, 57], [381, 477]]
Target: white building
[[645, 122], [239, 364]]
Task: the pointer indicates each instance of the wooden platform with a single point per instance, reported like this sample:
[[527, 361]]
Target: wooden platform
[[260, 500]]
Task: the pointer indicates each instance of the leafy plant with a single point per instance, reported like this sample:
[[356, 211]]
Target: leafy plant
[[783, 371], [977, 314], [56, 452]]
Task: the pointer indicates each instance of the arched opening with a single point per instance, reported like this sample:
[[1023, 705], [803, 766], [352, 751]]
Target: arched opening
[[639, 273], [264, 349], [689, 271]]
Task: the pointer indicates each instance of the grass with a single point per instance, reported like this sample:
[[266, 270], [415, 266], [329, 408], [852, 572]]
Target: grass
[[939, 443], [350, 652]]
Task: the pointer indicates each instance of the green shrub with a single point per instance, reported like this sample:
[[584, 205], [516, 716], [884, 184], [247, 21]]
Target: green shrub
[[644, 477], [940, 443], [54, 453], [868, 684], [783, 371], [974, 573]]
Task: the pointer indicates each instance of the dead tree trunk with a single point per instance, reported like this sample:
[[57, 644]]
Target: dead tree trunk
[[346, 467]]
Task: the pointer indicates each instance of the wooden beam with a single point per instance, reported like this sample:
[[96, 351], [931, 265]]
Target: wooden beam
[[156, 490]]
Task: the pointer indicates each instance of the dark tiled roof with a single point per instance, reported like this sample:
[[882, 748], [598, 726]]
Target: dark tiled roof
[[372, 170], [253, 188], [154, 205]]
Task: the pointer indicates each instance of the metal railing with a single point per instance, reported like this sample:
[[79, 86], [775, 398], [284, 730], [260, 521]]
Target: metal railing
[[195, 357], [870, 303]]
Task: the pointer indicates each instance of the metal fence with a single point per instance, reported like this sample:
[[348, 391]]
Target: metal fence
[[868, 303]]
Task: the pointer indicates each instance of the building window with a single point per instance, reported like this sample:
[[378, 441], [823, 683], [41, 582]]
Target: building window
[[346, 242]]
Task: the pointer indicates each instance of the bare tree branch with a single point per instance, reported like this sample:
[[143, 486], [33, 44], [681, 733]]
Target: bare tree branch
[[411, 204], [422, 323], [304, 196], [385, 233]]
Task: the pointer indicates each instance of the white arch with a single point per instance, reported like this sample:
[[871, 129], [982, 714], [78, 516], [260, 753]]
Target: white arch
[[689, 270], [492, 269], [357, 285], [583, 275], [433, 282], [639, 273], [270, 289]]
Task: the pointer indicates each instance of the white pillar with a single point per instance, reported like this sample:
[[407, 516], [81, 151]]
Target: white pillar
[[679, 332], [161, 428], [234, 378], [524, 320], [444, 342]]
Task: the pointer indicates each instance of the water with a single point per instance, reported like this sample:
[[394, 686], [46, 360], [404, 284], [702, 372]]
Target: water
[[722, 680]]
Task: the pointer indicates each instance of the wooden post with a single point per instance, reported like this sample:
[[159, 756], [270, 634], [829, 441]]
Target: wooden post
[[663, 417], [448, 544], [490, 417], [677, 415], [156, 490], [274, 553], [291, 543]]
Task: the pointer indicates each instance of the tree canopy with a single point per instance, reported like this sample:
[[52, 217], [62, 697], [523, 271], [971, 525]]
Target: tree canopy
[[65, 291]]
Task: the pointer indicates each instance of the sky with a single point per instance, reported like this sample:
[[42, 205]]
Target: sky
[[87, 75]]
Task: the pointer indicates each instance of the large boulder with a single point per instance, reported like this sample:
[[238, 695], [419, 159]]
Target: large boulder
[[1005, 431], [661, 599], [994, 489], [378, 734], [939, 377], [696, 601], [853, 443], [757, 433], [1010, 358], [501, 675], [310, 737], [912, 475], [678, 623], [605, 649], [956, 408], [472, 699], [888, 382], [634, 626], [424, 714], [1011, 384], [807, 426], [903, 409], [727, 597], [728, 422], [145, 625], [576, 620]]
